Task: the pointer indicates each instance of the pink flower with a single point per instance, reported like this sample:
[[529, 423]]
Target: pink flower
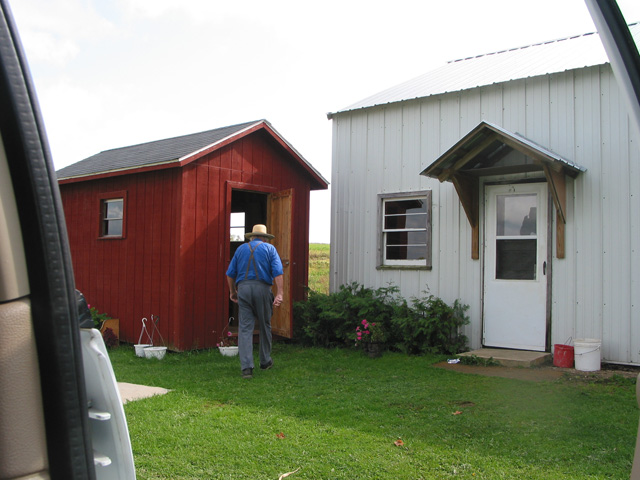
[[228, 334], [367, 332], [364, 322]]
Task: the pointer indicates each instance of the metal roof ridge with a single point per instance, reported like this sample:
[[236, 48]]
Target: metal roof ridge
[[523, 47]]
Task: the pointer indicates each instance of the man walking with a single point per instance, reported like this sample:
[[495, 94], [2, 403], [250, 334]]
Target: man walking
[[251, 273]]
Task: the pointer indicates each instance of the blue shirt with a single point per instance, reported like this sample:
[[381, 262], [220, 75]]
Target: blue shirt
[[267, 262]]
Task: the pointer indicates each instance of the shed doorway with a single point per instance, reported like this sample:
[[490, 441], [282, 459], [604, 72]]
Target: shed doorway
[[515, 271], [275, 211], [247, 209]]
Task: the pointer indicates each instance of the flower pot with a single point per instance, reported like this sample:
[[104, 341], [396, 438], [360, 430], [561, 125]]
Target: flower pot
[[140, 348], [229, 351], [374, 350], [155, 352]]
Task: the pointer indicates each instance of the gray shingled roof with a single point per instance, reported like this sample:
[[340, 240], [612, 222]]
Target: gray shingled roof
[[150, 153]]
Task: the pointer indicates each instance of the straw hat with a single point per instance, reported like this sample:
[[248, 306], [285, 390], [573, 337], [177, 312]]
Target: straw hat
[[259, 231]]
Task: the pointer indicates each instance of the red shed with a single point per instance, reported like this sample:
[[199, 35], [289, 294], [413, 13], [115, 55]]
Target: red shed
[[152, 227]]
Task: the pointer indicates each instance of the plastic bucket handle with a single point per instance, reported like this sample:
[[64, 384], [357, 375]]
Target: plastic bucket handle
[[590, 351]]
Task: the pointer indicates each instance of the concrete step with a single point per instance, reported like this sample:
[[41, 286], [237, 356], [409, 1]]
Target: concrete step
[[512, 358]]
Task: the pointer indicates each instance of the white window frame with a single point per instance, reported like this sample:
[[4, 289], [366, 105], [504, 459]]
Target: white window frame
[[383, 262], [104, 200]]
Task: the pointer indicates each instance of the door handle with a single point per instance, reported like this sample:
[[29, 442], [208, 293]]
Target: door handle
[[544, 268]]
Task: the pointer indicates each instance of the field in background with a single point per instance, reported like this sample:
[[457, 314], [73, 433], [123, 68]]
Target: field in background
[[319, 267]]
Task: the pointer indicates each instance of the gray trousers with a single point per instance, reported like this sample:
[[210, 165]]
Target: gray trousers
[[255, 303]]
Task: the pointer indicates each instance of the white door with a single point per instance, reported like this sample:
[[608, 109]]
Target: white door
[[515, 282]]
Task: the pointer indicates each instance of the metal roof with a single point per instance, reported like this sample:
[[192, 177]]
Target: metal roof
[[517, 63], [483, 150]]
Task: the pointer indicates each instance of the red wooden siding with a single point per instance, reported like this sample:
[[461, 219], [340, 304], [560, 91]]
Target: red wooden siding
[[131, 277], [173, 260]]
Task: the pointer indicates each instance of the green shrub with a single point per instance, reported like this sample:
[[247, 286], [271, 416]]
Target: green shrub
[[329, 320], [427, 325]]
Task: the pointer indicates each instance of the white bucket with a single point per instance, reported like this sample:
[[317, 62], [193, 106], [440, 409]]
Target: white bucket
[[231, 351], [140, 348], [587, 354], [155, 352]]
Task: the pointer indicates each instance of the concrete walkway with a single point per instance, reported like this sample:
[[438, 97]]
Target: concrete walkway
[[512, 358], [130, 391]]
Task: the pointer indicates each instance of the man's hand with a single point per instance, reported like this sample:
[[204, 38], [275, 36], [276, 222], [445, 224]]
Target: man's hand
[[277, 301], [233, 293]]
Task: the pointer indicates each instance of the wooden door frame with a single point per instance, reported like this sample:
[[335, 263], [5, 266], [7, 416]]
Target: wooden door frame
[[230, 186]]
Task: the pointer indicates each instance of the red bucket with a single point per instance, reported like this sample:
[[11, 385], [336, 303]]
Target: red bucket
[[562, 356]]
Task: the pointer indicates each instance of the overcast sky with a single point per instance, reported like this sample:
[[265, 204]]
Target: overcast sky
[[112, 73]]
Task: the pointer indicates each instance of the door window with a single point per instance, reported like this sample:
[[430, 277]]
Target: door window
[[516, 236]]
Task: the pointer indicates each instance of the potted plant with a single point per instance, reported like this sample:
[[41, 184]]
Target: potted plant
[[371, 336], [228, 344]]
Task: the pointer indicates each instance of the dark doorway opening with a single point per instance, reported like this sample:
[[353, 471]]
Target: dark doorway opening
[[247, 209]]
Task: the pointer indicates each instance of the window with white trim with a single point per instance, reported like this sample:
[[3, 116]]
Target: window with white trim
[[112, 217], [405, 220]]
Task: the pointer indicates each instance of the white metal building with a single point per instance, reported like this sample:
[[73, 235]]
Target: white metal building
[[510, 181]]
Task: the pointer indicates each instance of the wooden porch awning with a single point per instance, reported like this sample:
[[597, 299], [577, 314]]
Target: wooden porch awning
[[492, 150]]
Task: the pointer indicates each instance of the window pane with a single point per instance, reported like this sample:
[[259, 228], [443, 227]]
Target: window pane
[[237, 219], [516, 259], [516, 215], [113, 209], [237, 227], [405, 221], [237, 234], [113, 227], [401, 207], [406, 238], [399, 252]]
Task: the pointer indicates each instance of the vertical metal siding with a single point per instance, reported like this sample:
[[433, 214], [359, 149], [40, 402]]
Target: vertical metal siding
[[578, 114], [633, 153], [588, 206], [616, 194]]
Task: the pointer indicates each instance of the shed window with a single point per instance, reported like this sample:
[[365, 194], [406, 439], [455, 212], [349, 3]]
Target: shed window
[[405, 233], [238, 228], [112, 217]]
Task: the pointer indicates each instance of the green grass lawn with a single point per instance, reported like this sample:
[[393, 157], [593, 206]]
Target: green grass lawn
[[319, 267], [336, 414]]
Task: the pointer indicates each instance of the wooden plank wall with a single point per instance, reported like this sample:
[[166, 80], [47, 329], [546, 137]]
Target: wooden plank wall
[[132, 277], [176, 251]]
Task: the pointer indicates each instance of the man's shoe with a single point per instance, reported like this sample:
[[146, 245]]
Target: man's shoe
[[267, 366], [247, 373]]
